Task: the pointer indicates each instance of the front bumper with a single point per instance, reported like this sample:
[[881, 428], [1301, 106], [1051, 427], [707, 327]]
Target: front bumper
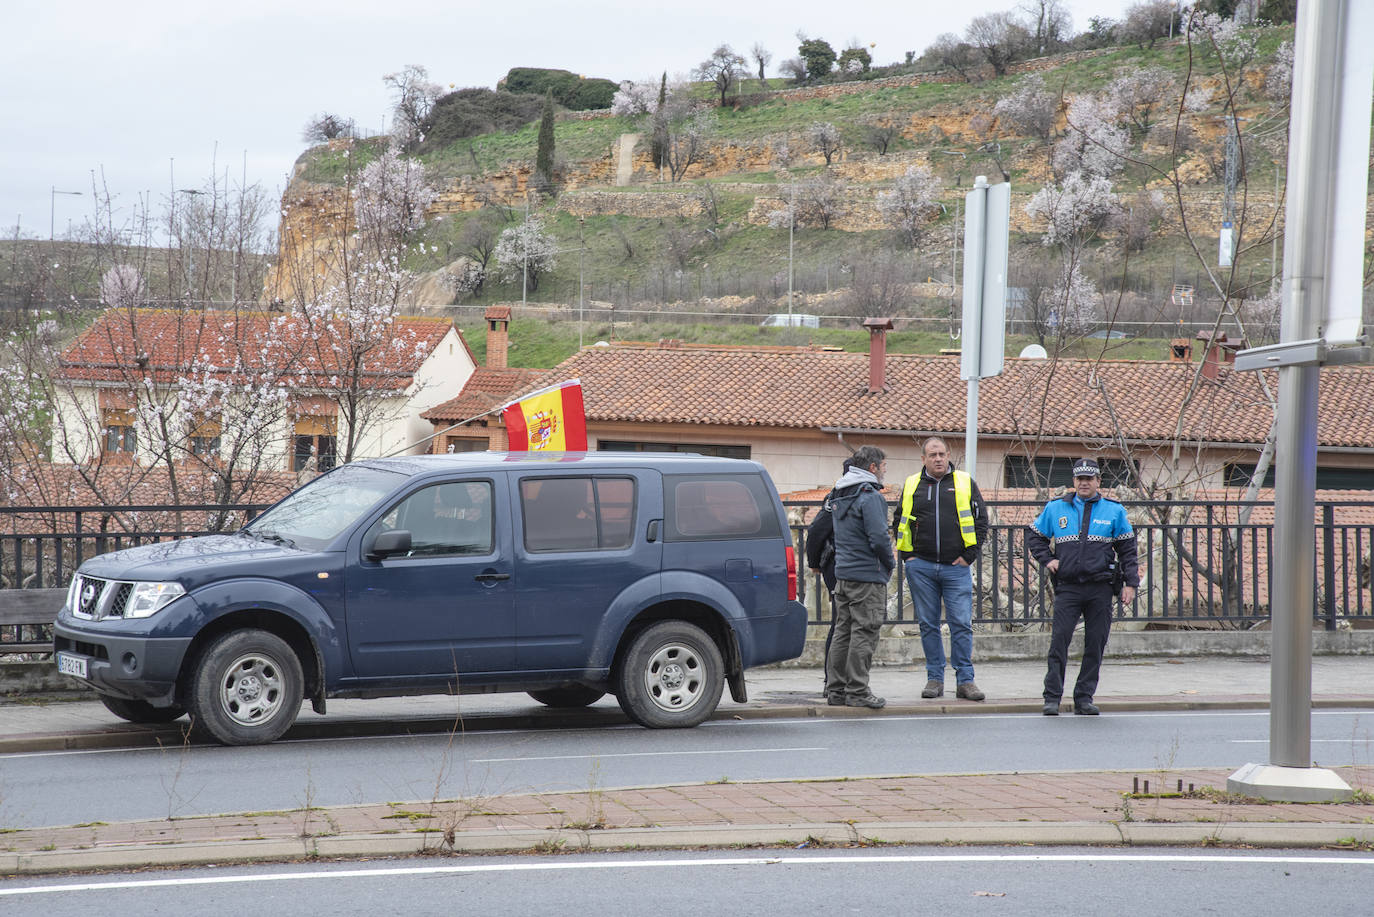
[[131, 667]]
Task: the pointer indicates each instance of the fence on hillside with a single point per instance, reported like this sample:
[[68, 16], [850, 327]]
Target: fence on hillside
[[1199, 566]]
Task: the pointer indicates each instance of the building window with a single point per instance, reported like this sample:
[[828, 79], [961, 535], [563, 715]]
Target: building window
[[1057, 472], [313, 445], [204, 441], [720, 451], [313, 452], [1238, 475], [464, 444], [119, 435]]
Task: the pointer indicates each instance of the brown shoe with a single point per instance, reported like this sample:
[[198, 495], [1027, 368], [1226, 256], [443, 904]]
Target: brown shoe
[[969, 691], [933, 688]]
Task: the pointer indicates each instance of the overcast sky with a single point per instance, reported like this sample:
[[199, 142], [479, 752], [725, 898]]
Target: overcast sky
[[157, 94]]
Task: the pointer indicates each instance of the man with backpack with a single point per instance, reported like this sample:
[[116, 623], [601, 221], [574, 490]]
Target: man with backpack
[[863, 565], [1086, 544], [820, 558]]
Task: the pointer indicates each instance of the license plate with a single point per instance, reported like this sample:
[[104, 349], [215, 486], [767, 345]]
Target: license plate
[[68, 664]]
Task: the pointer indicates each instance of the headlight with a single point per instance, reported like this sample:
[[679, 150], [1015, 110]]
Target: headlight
[[72, 591], [149, 598]]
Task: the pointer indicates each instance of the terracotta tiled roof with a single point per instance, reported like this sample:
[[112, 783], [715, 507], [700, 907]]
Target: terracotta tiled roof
[[807, 388], [118, 485], [485, 390], [167, 342]]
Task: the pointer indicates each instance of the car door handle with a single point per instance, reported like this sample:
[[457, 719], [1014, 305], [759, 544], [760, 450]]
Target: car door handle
[[491, 577]]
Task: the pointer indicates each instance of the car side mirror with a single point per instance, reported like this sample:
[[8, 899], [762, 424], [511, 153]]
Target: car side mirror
[[396, 541]]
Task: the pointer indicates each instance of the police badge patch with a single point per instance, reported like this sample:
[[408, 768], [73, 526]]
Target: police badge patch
[[1063, 522]]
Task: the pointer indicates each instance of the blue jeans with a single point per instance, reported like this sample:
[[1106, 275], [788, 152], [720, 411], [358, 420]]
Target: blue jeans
[[930, 583]]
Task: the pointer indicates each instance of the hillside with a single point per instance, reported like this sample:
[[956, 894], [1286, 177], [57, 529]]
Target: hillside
[[702, 248]]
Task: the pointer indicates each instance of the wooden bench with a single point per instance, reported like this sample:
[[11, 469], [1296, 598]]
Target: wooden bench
[[24, 616]]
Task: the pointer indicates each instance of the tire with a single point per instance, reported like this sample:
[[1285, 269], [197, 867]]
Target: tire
[[566, 697], [671, 676], [140, 711], [246, 688]]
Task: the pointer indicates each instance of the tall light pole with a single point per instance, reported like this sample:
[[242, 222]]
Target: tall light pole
[[52, 208], [791, 227], [191, 252], [581, 261]]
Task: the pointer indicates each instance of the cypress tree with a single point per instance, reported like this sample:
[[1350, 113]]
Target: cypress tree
[[658, 145], [543, 157]]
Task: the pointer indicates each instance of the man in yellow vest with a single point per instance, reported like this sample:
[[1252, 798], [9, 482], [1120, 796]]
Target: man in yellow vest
[[939, 524]]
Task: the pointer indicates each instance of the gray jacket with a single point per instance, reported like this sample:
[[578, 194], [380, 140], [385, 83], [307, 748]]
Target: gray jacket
[[863, 547]]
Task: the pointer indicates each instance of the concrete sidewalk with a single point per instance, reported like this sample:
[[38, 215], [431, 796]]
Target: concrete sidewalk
[[1179, 806]]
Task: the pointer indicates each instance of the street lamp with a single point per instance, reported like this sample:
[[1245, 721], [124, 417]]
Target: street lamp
[[581, 261], [52, 208], [191, 252], [791, 228]]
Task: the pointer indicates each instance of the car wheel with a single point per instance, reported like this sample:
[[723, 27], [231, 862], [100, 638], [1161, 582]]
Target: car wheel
[[671, 676], [140, 711], [568, 696], [246, 688]]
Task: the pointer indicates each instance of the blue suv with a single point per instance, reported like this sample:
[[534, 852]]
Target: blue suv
[[656, 577]]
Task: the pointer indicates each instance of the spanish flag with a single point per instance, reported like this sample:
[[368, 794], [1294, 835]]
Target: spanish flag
[[549, 420]]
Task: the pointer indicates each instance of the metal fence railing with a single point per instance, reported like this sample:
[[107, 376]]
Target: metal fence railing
[[1198, 566]]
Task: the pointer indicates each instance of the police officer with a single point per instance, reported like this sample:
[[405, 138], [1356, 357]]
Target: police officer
[[1086, 544]]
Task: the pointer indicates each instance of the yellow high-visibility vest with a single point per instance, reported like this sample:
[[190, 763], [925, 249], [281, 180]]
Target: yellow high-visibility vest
[[963, 503]]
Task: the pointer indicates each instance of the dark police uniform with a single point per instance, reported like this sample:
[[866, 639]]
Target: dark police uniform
[[1095, 546]]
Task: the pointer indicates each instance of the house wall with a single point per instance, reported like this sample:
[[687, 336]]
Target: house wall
[[439, 378]]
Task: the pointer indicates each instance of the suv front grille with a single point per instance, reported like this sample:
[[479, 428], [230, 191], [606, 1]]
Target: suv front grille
[[100, 598]]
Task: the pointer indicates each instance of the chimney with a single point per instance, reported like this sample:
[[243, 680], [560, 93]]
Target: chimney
[[877, 353], [1180, 350], [498, 338], [1220, 352]]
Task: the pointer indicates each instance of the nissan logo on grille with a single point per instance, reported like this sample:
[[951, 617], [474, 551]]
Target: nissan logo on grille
[[89, 596]]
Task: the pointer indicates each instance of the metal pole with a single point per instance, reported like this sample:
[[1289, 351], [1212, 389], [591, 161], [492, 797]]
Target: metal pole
[[971, 429], [525, 252], [1330, 41], [581, 261], [1309, 212], [791, 226]]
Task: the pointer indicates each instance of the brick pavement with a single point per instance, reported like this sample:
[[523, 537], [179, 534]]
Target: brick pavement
[[953, 808]]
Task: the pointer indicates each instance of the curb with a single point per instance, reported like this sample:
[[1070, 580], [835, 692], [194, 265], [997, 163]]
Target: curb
[[563, 840]]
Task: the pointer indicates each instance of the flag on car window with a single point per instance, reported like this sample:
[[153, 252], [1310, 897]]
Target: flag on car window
[[549, 420]]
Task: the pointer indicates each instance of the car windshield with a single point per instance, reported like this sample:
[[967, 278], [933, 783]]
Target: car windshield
[[320, 511]]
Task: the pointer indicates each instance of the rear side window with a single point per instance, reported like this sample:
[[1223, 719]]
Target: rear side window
[[577, 514], [718, 506]]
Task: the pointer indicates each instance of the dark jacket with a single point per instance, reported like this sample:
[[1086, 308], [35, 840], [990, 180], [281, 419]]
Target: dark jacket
[[820, 543], [863, 550], [936, 536], [1094, 541]]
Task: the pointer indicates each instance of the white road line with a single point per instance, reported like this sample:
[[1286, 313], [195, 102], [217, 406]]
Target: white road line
[[789, 860], [1346, 741], [641, 754]]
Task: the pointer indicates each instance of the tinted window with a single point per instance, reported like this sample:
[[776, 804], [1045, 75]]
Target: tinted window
[[577, 514], [1057, 472], [444, 520], [700, 507]]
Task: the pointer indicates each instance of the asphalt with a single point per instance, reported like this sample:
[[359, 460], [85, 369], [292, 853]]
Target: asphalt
[[1150, 806]]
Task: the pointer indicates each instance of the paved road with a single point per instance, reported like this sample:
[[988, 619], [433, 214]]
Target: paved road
[[903, 880], [61, 788]]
